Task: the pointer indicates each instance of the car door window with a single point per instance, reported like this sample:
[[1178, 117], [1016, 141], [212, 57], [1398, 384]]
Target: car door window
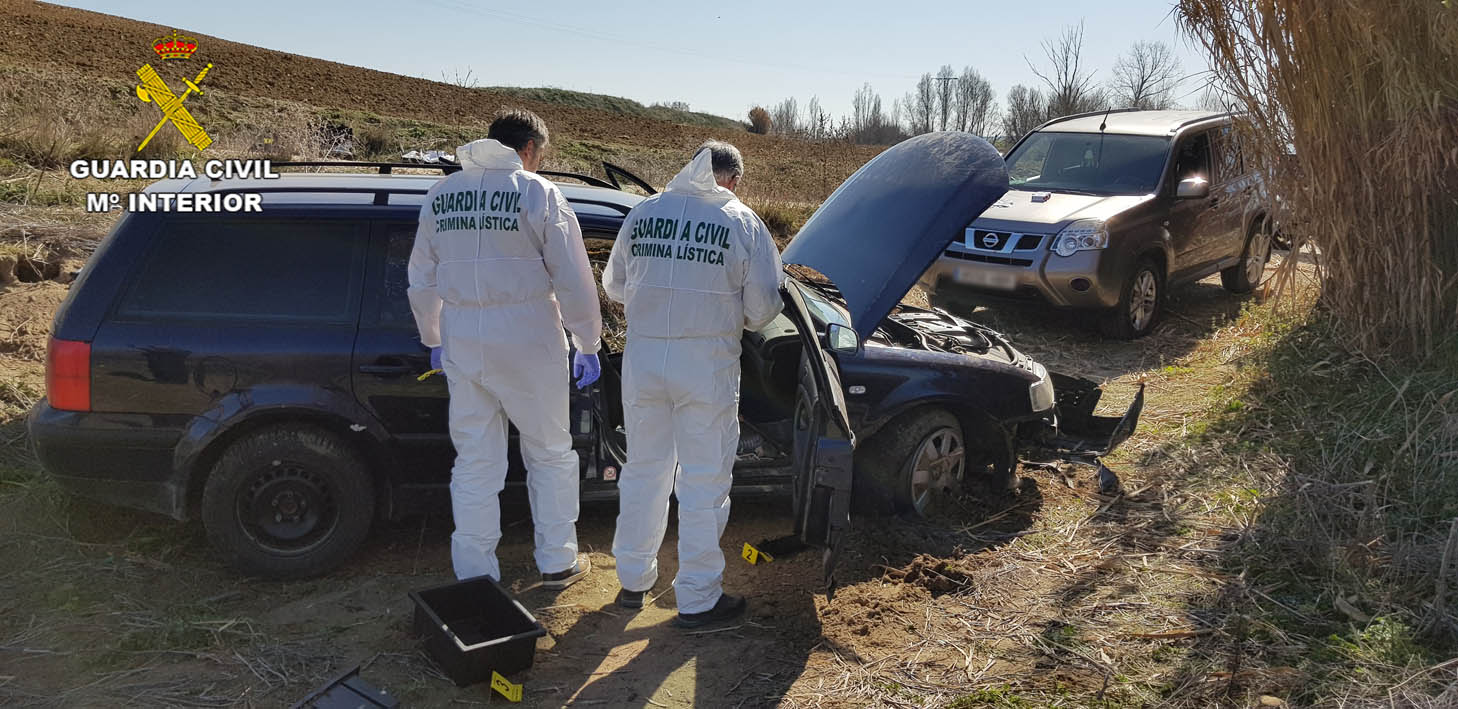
[[394, 293], [1227, 156], [297, 270], [1193, 159]]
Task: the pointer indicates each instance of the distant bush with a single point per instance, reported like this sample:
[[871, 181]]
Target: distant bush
[[374, 140], [759, 121]]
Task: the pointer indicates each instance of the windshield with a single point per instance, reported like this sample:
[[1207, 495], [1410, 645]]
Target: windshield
[[1092, 163], [821, 309]]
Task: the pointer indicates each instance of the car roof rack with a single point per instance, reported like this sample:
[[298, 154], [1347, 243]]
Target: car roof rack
[[382, 168], [386, 168]]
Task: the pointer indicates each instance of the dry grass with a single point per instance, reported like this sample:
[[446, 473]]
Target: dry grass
[[1366, 94]]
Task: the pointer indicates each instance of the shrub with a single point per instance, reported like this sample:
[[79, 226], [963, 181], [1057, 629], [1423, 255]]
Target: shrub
[[759, 121]]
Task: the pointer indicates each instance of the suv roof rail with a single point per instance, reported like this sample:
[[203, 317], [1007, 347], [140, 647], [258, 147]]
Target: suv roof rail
[[1202, 119], [1086, 114]]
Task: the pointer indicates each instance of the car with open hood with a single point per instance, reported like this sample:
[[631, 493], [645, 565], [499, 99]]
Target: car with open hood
[[263, 372]]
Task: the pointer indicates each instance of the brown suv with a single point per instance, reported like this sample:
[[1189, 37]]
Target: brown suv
[[1107, 210]]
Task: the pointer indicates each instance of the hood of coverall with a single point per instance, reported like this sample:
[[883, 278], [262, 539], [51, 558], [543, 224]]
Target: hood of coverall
[[487, 154], [884, 226], [697, 178]]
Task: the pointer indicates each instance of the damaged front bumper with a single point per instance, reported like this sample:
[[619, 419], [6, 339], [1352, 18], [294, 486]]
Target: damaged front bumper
[[1075, 432]]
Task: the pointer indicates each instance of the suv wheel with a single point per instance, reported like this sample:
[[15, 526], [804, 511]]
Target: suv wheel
[[1140, 303], [288, 502], [1246, 275], [914, 466]]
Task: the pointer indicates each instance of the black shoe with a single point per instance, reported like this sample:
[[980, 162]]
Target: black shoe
[[632, 600], [727, 608], [563, 579]]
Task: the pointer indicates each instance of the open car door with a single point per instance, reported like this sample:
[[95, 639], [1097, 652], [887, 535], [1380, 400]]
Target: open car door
[[823, 443]]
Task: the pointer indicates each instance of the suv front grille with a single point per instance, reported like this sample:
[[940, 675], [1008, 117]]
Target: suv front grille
[[986, 258]]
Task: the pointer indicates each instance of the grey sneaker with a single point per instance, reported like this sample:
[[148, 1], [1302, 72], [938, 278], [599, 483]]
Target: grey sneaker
[[563, 579]]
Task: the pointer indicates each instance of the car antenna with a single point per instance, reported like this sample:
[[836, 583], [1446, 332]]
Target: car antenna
[[1105, 121]]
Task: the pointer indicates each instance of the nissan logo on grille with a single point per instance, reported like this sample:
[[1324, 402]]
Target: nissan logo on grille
[[989, 240]]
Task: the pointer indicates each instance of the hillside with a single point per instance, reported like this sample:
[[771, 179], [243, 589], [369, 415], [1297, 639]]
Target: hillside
[[585, 129]]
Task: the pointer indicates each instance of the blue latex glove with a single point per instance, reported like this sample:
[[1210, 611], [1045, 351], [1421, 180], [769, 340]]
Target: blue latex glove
[[435, 358], [585, 369]]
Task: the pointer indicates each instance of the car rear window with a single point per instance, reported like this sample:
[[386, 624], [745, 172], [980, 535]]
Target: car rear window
[[250, 269]]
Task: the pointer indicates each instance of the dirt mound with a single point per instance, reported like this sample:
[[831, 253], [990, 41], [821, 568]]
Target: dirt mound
[[935, 575], [25, 318]]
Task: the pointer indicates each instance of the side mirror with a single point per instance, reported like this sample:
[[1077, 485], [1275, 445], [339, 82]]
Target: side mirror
[[840, 338], [1193, 188]]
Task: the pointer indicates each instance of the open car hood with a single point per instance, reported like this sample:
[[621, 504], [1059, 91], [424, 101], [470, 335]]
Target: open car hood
[[887, 223]]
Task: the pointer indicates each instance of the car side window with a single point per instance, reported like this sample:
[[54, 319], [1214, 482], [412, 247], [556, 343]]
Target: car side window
[[1193, 159], [395, 297], [1228, 160], [303, 270]]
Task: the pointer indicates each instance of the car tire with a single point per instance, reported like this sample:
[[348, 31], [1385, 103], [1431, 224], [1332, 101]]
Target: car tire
[[288, 502], [897, 470], [1243, 277], [1141, 302]]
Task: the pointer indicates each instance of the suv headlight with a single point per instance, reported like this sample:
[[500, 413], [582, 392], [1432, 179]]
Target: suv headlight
[[1040, 393], [1082, 235]]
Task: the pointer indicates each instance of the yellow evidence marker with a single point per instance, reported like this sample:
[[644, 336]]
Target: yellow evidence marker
[[754, 556], [505, 687]]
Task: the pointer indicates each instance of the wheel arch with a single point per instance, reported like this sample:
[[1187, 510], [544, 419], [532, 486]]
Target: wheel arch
[[371, 450]]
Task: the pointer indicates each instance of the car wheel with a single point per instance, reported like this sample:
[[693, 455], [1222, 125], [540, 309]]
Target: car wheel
[[1140, 303], [288, 502], [913, 467], [1246, 275]]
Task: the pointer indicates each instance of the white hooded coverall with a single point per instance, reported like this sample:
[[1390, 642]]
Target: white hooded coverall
[[498, 268], [694, 268]]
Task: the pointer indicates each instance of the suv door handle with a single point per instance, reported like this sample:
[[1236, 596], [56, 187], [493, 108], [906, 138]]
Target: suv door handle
[[385, 370]]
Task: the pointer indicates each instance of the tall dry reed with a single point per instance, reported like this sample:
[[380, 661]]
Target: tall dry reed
[[1366, 94]]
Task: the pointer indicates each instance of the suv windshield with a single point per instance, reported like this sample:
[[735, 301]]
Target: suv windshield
[[1093, 163]]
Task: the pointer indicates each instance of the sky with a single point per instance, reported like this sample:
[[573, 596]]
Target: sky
[[720, 58]]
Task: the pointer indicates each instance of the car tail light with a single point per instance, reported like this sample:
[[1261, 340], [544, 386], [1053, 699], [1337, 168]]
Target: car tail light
[[68, 375]]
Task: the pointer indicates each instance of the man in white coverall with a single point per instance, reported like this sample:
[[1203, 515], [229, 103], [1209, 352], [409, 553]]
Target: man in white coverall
[[498, 268], [694, 268]]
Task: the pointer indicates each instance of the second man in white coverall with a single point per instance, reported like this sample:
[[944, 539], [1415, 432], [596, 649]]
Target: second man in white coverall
[[694, 267], [498, 268]]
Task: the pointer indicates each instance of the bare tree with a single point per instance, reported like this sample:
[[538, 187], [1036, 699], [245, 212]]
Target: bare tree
[[946, 95], [785, 117], [974, 103], [921, 106], [1026, 110], [464, 79], [817, 120], [759, 120], [1071, 88], [1146, 77]]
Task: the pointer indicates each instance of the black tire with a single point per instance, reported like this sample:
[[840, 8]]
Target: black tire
[[1243, 277], [886, 465], [1122, 322], [321, 496]]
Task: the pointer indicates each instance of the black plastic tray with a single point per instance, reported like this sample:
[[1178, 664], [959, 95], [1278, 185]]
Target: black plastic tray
[[473, 627]]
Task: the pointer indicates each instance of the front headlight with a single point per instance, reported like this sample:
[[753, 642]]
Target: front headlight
[[1040, 393], [1082, 235]]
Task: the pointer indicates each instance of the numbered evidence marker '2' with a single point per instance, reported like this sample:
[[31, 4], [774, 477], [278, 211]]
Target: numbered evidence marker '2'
[[505, 687], [754, 556]]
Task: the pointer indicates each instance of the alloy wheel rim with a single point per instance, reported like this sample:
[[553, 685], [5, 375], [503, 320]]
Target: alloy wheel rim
[[937, 467], [1256, 257], [1142, 300]]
